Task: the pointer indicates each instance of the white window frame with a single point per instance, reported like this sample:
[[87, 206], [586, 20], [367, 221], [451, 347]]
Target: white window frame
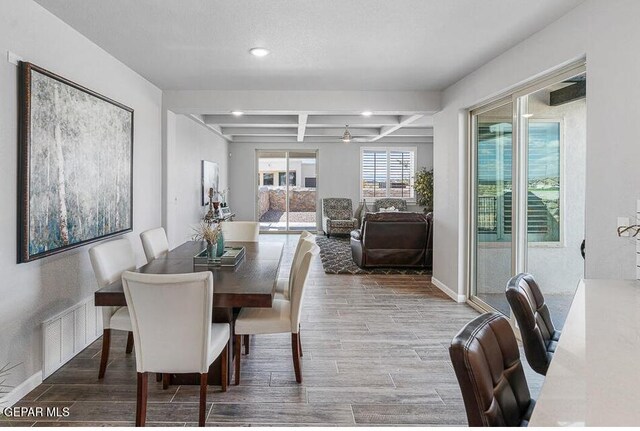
[[389, 149]]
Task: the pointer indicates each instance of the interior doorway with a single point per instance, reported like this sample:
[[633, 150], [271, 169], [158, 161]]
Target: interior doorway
[[286, 195]]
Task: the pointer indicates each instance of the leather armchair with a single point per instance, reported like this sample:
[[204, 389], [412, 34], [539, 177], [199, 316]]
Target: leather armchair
[[337, 216], [399, 204], [486, 360], [539, 336], [394, 239]]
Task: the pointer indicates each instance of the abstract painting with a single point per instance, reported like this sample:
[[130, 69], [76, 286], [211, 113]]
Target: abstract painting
[[210, 179], [75, 166]]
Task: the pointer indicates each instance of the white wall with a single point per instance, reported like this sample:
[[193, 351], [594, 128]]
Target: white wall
[[607, 33], [32, 292], [338, 171], [190, 143]]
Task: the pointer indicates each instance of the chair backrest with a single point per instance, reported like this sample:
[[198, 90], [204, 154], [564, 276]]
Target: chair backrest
[[295, 264], [245, 231], [171, 319], [110, 259], [486, 361], [154, 243], [534, 320], [311, 250], [337, 208], [397, 203]]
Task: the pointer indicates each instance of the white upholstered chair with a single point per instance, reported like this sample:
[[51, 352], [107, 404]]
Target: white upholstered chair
[[283, 288], [154, 243], [282, 317], [171, 317], [109, 260], [245, 231]]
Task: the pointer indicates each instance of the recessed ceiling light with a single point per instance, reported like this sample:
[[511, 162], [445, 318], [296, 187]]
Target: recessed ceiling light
[[237, 113], [367, 113], [259, 52]]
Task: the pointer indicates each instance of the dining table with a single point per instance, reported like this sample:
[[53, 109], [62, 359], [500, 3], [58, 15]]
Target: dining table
[[250, 283], [593, 378]]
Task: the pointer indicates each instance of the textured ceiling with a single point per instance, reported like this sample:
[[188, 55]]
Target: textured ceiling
[[315, 44]]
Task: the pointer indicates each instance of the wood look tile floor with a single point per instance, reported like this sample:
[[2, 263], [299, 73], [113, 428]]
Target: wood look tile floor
[[375, 353]]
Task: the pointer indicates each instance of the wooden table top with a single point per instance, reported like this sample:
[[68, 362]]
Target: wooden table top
[[250, 284]]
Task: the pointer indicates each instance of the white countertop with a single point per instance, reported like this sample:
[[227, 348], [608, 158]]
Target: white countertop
[[594, 377]]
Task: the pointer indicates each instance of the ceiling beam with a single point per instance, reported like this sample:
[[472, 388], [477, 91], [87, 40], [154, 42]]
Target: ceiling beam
[[252, 120], [352, 120], [293, 101], [387, 130], [413, 131], [329, 139], [215, 129], [302, 125], [289, 131]]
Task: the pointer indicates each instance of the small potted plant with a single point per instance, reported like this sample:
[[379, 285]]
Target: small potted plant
[[212, 234], [423, 186]]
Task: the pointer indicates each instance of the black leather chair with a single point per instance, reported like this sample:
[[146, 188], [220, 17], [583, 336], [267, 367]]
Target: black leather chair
[[486, 360], [539, 336]]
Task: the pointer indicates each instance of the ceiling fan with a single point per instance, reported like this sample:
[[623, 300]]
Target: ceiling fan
[[347, 137]]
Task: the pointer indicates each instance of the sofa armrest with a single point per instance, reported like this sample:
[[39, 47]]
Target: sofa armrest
[[356, 234]]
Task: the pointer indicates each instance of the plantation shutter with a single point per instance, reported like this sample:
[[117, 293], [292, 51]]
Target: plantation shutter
[[374, 173], [401, 169]]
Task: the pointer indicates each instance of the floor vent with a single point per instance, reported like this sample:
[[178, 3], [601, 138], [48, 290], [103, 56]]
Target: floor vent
[[68, 333]]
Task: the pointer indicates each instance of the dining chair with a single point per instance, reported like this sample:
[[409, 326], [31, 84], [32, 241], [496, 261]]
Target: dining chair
[[109, 260], [171, 317], [486, 360], [282, 317], [154, 243], [539, 336], [245, 231], [283, 287]]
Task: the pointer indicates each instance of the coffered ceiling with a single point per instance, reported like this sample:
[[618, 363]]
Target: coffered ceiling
[[313, 128]]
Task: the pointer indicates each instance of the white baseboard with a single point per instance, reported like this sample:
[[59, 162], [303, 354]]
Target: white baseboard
[[21, 390], [453, 295]]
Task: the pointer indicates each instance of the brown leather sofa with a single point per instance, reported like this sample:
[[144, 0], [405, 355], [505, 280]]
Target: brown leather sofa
[[394, 239]]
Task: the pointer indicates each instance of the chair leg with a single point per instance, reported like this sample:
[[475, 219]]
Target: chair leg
[[246, 344], [165, 380], [297, 365], [224, 368], [203, 399], [129, 342], [237, 340], [141, 400], [104, 359], [300, 341]]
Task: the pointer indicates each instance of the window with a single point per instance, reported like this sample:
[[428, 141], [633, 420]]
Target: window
[[267, 179], [494, 186], [283, 180], [387, 172], [310, 182]]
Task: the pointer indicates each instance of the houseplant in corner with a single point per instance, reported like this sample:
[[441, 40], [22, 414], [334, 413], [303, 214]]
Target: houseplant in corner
[[423, 186]]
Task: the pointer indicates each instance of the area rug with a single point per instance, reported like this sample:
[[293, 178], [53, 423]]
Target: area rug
[[335, 254]]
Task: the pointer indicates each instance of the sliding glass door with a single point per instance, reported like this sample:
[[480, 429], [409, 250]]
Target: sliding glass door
[[527, 214], [286, 190]]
